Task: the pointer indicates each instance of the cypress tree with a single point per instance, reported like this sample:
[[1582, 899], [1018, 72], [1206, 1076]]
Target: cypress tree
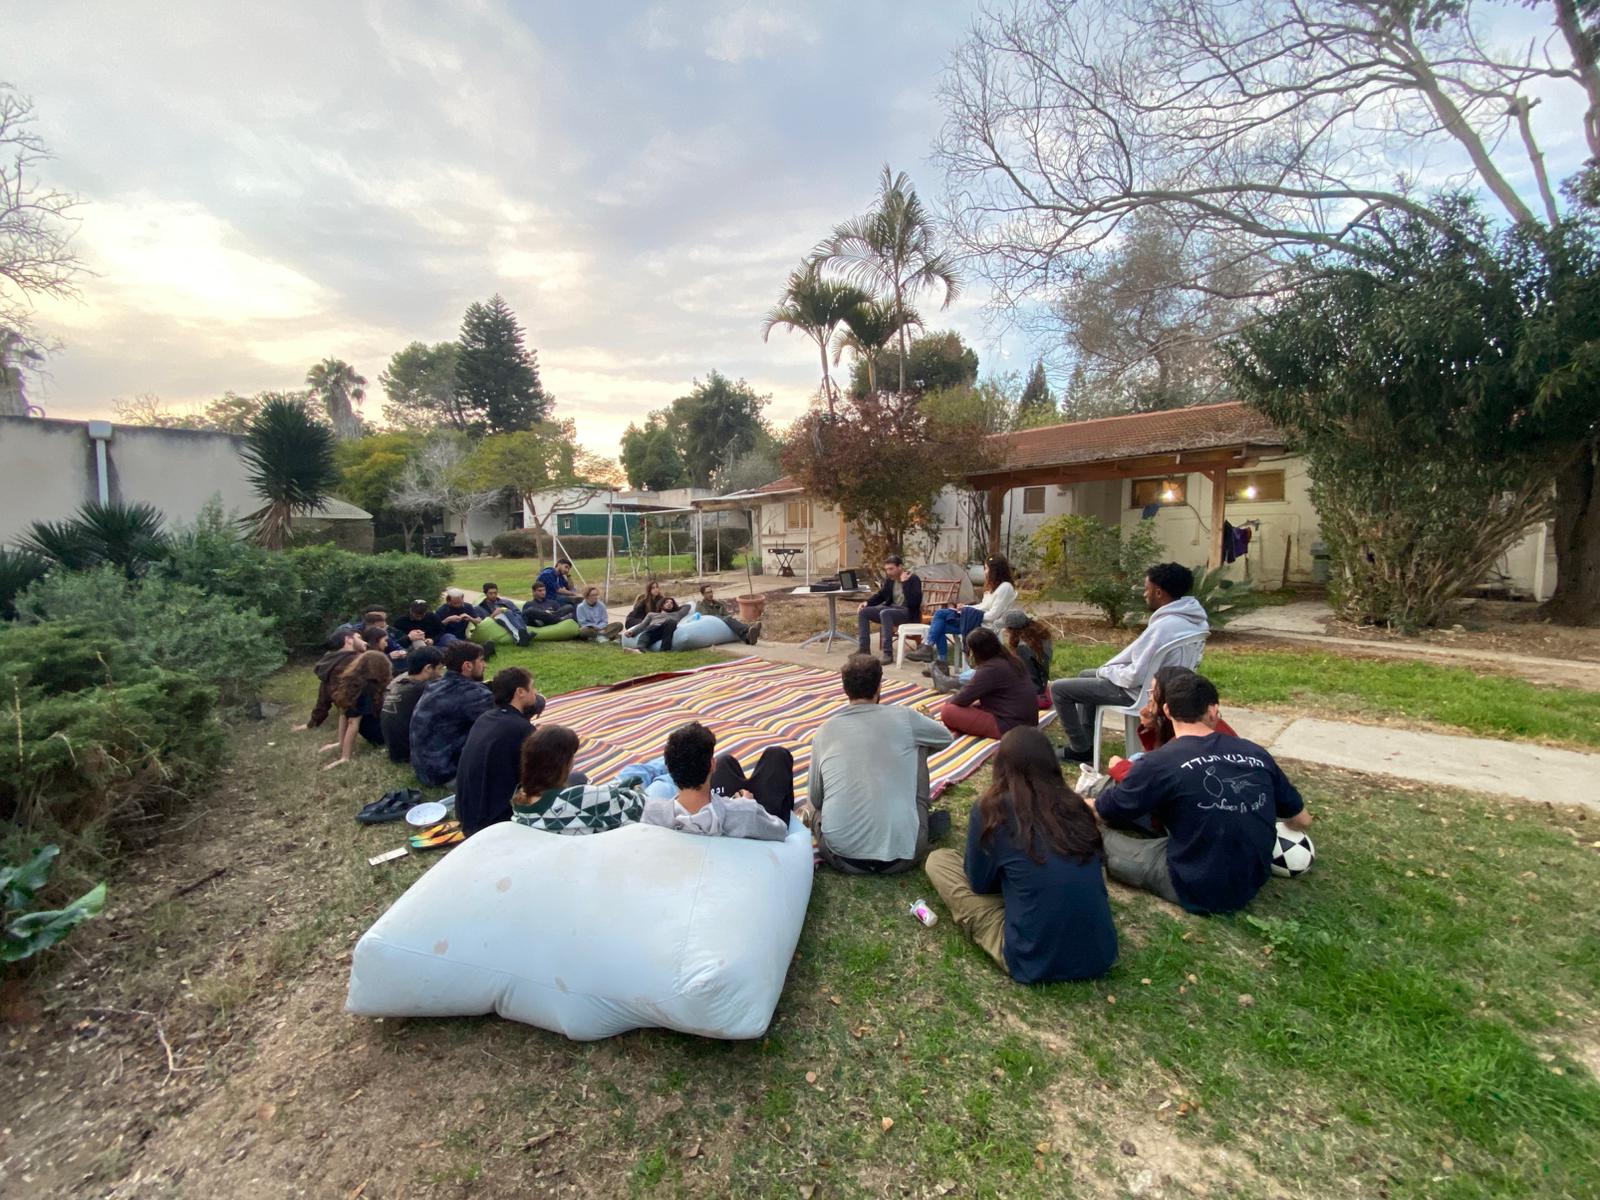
[[497, 377]]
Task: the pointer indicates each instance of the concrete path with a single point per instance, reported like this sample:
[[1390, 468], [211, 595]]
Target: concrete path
[[1517, 769]]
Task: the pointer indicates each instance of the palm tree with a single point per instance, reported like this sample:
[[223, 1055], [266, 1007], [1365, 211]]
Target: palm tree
[[868, 328], [126, 536], [814, 306], [891, 249], [289, 454], [342, 391]]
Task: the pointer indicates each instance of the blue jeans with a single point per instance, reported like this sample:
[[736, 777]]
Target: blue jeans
[[961, 621]]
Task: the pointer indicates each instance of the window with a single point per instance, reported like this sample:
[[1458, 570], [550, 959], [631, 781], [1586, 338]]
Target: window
[[799, 514], [1254, 487], [564, 523], [1164, 492], [1033, 500]]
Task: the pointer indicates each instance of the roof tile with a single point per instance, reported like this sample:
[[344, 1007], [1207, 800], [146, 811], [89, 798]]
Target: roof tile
[[1199, 428]]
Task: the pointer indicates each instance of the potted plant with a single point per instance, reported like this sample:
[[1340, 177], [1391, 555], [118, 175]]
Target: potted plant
[[751, 607]]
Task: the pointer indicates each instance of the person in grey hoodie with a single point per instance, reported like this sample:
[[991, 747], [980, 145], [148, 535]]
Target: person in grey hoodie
[[1173, 613], [715, 797]]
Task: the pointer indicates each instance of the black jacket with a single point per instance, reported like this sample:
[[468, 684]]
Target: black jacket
[[491, 762], [913, 588]]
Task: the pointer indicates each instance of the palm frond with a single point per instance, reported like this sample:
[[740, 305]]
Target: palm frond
[[289, 459], [61, 542], [18, 568]]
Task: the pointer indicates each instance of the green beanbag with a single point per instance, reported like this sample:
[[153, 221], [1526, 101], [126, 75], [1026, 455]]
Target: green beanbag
[[491, 630], [561, 631]]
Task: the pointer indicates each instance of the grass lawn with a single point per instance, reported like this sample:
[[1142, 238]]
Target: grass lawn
[[515, 575], [1346, 686], [1413, 1019]]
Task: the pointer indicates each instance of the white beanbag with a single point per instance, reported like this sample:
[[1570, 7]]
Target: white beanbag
[[592, 936], [696, 632]]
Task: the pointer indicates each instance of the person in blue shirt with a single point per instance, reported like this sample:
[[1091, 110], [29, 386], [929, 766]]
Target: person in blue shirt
[[1030, 890], [557, 580], [456, 617], [1219, 798]]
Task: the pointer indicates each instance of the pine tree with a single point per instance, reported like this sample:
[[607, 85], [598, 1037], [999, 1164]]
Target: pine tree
[[497, 377], [1038, 404]]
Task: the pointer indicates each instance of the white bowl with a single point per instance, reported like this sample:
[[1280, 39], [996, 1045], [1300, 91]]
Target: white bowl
[[429, 812]]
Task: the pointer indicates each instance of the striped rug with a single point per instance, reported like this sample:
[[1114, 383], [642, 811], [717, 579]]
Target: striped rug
[[750, 703]]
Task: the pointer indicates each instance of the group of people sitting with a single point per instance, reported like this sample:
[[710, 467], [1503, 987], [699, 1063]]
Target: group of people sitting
[[1190, 817], [655, 618]]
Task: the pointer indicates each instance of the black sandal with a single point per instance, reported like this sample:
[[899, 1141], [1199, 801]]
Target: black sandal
[[391, 807]]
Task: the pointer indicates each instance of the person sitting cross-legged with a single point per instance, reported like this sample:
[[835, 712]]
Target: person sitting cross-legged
[[542, 610], [555, 798], [594, 623], [424, 664], [456, 616], [1219, 798], [497, 607], [709, 606], [1173, 613], [1030, 891], [486, 776], [869, 778], [445, 714], [419, 627], [996, 699], [897, 602], [358, 693], [715, 798]]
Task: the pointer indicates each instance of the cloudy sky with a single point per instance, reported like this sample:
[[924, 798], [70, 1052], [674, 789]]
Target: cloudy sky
[[266, 184]]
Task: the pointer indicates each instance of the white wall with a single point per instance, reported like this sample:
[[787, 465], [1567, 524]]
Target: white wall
[[47, 470]]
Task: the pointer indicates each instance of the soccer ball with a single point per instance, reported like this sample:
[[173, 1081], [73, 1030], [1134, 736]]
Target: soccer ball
[[1292, 852]]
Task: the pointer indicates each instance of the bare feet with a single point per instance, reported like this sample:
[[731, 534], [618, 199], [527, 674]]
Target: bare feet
[[338, 762], [301, 728], [329, 746]]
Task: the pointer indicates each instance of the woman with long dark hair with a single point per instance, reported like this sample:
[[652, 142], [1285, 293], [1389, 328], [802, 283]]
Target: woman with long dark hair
[[648, 601], [999, 696], [358, 693], [999, 598], [1031, 891], [553, 797]]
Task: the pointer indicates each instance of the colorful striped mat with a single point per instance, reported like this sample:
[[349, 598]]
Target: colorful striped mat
[[751, 703]]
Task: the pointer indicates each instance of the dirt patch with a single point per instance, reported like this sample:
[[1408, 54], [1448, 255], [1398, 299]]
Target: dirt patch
[[1498, 626]]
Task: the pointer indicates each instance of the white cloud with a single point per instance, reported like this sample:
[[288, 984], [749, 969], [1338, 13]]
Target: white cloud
[[753, 31]]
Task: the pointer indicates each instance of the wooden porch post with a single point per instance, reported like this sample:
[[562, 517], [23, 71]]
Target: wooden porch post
[[1219, 513], [997, 505]]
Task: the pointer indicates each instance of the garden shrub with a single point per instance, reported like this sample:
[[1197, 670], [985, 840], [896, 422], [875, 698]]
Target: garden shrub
[[526, 543], [1096, 564], [214, 556], [335, 585], [99, 737], [25, 930], [220, 640]]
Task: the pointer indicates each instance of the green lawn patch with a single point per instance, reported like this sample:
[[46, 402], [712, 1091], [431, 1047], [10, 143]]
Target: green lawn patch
[[515, 575], [1319, 683]]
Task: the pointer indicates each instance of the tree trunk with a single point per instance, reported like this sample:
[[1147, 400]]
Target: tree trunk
[[900, 312], [1576, 600], [827, 380]]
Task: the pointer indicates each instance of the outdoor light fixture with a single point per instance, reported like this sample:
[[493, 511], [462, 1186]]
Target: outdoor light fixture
[[1250, 492], [1169, 495]]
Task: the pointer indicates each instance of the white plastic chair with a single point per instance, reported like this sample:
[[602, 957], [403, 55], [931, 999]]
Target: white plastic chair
[[935, 595], [1185, 651]]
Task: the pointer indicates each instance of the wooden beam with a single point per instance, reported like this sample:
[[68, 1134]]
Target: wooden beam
[[1219, 514], [997, 506], [1233, 458]]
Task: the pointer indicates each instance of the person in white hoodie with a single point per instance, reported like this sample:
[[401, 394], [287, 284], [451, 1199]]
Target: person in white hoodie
[[1173, 613], [999, 598]]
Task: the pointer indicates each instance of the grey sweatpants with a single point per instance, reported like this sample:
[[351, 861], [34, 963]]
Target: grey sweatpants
[[1139, 862]]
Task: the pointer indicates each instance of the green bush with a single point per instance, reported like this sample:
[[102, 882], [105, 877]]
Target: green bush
[[98, 734], [18, 569], [1095, 564], [525, 543], [1222, 598], [221, 640], [335, 585], [214, 555]]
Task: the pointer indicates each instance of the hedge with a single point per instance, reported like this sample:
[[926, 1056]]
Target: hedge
[[336, 585], [525, 543]]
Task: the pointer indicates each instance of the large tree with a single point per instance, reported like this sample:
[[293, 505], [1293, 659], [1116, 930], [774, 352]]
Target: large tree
[[1394, 371], [892, 249], [340, 389], [544, 467], [815, 306], [1038, 404], [650, 457], [420, 386], [869, 327], [934, 362], [440, 478], [719, 420], [371, 469], [36, 256], [1292, 125], [497, 376], [882, 460]]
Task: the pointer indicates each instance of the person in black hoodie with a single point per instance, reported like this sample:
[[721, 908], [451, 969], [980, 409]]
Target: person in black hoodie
[[419, 627], [343, 647], [491, 761], [423, 665]]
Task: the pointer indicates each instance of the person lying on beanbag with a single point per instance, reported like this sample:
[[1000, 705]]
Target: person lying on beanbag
[[723, 802]]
